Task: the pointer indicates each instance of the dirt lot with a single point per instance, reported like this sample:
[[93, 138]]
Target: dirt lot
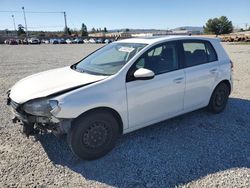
[[195, 150]]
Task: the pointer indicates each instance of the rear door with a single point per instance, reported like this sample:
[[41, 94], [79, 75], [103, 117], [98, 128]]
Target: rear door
[[201, 69]]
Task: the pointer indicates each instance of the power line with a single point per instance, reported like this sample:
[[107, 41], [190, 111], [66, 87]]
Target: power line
[[10, 11], [37, 12], [31, 12], [35, 26], [44, 12]]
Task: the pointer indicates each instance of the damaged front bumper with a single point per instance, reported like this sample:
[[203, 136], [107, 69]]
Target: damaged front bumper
[[32, 124]]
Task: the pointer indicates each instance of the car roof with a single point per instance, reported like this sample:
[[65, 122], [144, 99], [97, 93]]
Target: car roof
[[156, 39]]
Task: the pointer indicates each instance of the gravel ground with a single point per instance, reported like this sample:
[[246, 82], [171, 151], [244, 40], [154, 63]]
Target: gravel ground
[[194, 150]]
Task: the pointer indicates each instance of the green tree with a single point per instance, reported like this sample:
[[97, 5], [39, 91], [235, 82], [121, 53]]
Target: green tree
[[105, 29], [218, 26], [127, 29], [20, 30], [67, 31], [93, 30], [84, 31]]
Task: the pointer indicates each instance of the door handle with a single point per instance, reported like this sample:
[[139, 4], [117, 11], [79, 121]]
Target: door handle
[[213, 71], [178, 80]]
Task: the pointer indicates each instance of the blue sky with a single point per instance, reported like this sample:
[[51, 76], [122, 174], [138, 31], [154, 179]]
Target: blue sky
[[115, 14]]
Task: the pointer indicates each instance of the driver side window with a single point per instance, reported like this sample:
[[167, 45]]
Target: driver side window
[[160, 59]]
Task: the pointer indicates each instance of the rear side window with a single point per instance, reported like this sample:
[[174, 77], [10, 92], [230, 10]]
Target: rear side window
[[198, 52], [212, 56]]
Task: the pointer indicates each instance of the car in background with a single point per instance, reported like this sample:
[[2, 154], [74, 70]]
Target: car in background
[[46, 41], [19, 41], [34, 41], [78, 41], [107, 41], [54, 41], [25, 41], [100, 40], [62, 41], [13, 42], [69, 41], [86, 41], [92, 40], [6, 41]]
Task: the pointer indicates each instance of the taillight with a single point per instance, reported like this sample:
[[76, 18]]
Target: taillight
[[232, 65]]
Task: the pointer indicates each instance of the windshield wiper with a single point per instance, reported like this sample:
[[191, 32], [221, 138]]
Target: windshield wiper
[[77, 69], [96, 73], [73, 67], [81, 70]]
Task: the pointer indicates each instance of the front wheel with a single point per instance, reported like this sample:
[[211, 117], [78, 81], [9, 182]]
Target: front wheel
[[219, 98], [93, 135]]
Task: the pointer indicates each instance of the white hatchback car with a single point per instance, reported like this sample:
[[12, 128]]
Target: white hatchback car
[[124, 86]]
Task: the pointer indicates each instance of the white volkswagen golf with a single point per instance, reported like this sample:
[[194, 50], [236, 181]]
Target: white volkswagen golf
[[121, 87]]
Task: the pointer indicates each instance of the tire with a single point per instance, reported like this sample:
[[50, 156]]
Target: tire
[[93, 135], [219, 98]]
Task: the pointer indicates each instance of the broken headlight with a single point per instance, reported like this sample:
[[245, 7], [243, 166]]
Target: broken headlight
[[41, 107]]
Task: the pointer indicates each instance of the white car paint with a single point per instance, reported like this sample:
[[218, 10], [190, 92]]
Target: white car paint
[[69, 41], [163, 99], [49, 82], [199, 83], [143, 72], [139, 103]]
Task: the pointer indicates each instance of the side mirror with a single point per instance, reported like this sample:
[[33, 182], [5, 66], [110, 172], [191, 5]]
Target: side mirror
[[144, 74]]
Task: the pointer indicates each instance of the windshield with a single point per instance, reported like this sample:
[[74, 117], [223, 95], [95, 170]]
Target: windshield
[[109, 59]]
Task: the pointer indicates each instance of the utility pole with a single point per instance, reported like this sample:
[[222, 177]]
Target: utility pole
[[13, 18], [26, 29], [65, 22]]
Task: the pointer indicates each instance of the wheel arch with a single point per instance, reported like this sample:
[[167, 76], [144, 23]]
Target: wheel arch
[[227, 82], [106, 109], [210, 107]]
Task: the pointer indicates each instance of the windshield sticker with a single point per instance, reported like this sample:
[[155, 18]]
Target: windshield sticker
[[126, 49]]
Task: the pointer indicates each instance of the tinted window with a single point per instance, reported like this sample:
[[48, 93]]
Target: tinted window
[[212, 56], [197, 52], [160, 59]]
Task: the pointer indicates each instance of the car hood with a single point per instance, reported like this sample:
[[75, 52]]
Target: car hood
[[50, 82]]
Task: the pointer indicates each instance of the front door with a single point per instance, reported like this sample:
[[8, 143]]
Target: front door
[[154, 100]]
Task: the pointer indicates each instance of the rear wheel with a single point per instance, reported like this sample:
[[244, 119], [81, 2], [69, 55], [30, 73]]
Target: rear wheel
[[219, 98], [93, 135]]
